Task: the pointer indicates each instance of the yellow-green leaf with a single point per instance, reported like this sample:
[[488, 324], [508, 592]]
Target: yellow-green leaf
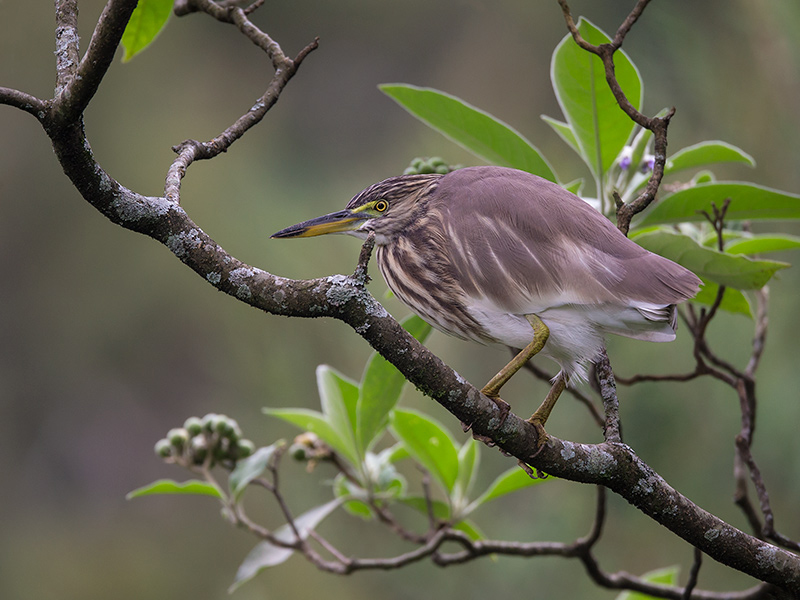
[[168, 486], [725, 269], [146, 22], [471, 128]]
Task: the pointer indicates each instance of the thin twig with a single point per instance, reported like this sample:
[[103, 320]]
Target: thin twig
[[388, 519], [693, 574], [699, 371], [658, 125], [272, 467], [334, 551], [629, 22], [361, 274], [433, 522], [599, 519], [191, 150]]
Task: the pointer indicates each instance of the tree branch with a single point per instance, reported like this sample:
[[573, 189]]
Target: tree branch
[[67, 42], [21, 100], [285, 68], [658, 125], [608, 392]]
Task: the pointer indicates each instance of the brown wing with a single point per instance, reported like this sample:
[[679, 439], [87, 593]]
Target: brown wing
[[527, 244]]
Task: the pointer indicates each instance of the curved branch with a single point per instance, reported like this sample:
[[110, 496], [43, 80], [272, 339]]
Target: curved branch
[[21, 100]]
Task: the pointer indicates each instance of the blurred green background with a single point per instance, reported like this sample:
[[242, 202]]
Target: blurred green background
[[108, 341]]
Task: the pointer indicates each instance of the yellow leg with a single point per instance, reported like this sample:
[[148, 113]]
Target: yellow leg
[[543, 412], [540, 335]]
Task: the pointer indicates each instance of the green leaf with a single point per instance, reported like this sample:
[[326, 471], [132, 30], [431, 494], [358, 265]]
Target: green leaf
[[395, 453], [471, 128], [168, 486], [468, 460], [711, 238], [575, 186], [429, 443], [725, 269], [667, 576], [706, 153], [763, 244], [733, 300], [748, 201], [441, 510], [381, 386], [266, 555], [316, 423], [349, 393], [353, 496], [382, 472], [417, 328], [471, 529], [600, 127], [639, 145], [146, 22], [249, 468], [564, 131], [512, 480], [339, 397]]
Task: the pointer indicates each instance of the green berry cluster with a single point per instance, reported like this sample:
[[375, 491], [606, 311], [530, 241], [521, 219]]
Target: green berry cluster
[[208, 440], [434, 164]]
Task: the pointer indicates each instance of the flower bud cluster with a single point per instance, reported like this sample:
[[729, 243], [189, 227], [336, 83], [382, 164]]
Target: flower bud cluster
[[208, 440]]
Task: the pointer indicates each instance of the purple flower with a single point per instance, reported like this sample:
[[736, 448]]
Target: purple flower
[[625, 158]]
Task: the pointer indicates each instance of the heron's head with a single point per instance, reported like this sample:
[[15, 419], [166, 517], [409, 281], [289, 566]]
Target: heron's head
[[387, 208]]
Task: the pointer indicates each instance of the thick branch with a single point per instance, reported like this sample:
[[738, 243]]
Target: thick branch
[[67, 49]]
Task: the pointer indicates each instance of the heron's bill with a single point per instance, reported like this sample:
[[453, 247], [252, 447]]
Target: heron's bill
[[342, 221]]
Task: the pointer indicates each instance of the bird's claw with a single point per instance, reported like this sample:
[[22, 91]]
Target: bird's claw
[[541, 434], [533, 474], [503, 406]]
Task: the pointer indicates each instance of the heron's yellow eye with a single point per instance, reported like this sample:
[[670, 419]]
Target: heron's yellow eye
[[381, 205]]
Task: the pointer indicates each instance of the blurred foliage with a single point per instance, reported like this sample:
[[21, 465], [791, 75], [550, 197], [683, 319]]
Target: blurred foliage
[[107, 337], [354, 418]]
